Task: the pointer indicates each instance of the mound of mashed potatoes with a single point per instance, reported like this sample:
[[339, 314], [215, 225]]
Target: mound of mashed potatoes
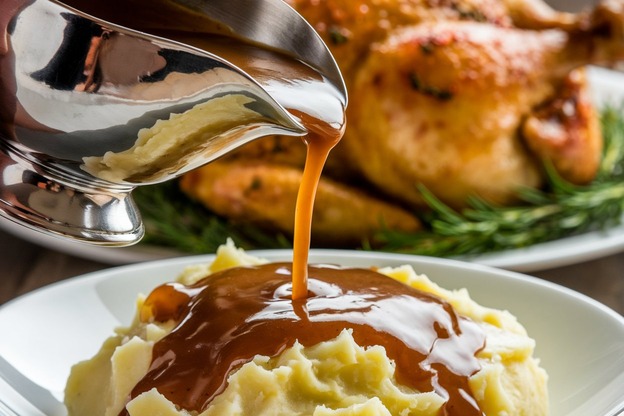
[[336, 377]]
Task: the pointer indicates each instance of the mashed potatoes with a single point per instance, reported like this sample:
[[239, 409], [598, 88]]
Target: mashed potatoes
[[335, 377]]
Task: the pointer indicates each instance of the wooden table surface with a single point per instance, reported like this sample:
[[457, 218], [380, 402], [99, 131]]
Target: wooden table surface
[[26, 266]]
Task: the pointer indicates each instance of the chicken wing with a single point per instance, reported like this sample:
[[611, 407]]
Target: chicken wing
[[566, 131]]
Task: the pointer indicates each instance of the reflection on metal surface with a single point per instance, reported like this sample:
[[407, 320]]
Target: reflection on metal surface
[[205, 131], [37, 198], [87, 108]]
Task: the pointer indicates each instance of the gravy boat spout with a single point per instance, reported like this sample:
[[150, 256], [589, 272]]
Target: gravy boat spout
[[90, 109]]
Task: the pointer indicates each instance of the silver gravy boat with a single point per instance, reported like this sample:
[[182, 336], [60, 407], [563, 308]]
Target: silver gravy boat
[[59, 120]]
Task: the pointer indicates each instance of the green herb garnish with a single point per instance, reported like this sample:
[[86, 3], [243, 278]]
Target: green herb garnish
[[427, 48], [173, 220], [558, 211], [469, 14], [337, 36], [440, 94]]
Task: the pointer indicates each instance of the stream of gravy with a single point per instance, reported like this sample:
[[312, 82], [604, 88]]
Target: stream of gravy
[[308, 96], [303, 91]]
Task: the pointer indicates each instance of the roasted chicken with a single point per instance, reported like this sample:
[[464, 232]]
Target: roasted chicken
[[265, 194], [466, 97]]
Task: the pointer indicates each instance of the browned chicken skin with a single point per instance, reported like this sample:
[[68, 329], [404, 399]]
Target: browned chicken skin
[[461, 92], [263, 194], [464, 96], [566, 131]]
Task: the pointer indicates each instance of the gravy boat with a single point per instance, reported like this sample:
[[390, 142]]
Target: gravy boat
[[75, 89]]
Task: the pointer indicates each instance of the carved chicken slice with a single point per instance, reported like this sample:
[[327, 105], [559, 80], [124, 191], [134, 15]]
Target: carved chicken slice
[[265, 194]]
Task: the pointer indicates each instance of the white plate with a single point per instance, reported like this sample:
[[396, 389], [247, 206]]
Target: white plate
[[557, 253], [579, 341], [607, 87]]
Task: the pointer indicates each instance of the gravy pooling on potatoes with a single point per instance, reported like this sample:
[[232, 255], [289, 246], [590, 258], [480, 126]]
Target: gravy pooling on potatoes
[[226, 319]]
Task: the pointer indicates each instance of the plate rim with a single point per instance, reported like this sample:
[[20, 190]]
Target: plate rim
[[93, 278], [272, 254]]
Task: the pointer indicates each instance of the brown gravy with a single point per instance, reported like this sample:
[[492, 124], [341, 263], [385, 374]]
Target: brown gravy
[[307, 95], [233, 315]]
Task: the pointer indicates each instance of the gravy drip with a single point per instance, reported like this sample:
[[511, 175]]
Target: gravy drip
[[303, 91], [319, 146], [308, 96], [227, 318]]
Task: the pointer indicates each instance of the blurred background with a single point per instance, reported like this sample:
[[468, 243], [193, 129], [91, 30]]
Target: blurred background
[[30, 261]]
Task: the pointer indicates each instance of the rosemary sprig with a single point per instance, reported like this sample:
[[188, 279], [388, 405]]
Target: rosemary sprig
[[561, 210], [171, 219], [558, 211]]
